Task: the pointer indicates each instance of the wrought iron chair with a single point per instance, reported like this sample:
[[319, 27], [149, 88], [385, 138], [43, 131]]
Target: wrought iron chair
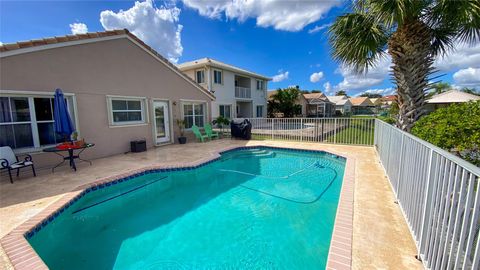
[[9, 161]]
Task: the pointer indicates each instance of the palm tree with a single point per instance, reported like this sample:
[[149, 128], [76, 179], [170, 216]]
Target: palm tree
[[413, 33]]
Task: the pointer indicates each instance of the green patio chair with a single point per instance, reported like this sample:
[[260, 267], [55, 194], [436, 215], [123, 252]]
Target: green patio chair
[[210, 133], [198, 134]]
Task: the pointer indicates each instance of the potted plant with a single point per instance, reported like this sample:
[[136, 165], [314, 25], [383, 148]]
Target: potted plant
[[181, 125]]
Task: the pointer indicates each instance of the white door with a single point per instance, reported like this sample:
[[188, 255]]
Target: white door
[[161, 122]]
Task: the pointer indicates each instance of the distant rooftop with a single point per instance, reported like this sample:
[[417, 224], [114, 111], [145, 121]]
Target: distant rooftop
[[452, 96], [215, 63], [361, 101]]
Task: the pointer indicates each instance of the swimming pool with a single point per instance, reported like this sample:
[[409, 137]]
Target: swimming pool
[[259, 208]]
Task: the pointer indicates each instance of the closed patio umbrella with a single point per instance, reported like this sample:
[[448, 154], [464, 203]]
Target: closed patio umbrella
[[63, 123]]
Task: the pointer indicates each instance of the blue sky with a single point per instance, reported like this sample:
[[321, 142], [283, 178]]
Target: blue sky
[[273, 39]]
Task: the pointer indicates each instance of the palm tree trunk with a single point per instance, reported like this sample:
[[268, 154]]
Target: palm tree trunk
[[412, 61]]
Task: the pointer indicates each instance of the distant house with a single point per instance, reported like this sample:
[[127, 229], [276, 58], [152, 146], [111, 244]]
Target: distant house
[[118, 89], [362, 105], [447, 98], [238, 92], [377, 103], [342, 104], [318, 105], [388, 100], [300, 101]]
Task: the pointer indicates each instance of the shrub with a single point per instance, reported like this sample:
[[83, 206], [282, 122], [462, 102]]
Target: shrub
[[455, 128]]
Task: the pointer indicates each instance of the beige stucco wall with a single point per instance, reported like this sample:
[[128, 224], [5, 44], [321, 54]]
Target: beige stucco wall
[[91, 72]]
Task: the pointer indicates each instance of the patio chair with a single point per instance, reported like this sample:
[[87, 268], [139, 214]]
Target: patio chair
[[198, 134], [9, 161], [210, 133]]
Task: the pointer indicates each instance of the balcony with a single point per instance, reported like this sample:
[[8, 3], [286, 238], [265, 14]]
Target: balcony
[[243, 92]]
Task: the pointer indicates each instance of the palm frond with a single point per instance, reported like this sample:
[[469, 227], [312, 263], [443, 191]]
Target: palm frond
[[358, 40], [454, 20], [393, 13]]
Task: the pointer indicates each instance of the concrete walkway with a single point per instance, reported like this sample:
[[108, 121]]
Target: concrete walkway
[[381, 239]]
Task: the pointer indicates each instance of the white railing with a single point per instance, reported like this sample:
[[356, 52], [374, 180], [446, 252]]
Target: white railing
[[357, 131], [243, 92], [439, 196]]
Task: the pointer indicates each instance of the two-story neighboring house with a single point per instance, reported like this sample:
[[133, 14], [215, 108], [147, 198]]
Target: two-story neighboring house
[[239, 93]]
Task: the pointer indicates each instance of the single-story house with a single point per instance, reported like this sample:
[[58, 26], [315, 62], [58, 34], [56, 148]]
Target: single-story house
[[342, 104], [362, 105], [447, 98], [118, 89], [388, 100], [318, 105]]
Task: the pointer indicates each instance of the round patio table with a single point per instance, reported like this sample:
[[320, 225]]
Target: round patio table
[[71, 154]]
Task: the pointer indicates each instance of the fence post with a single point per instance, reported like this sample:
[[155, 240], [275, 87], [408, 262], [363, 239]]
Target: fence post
[[335, 131], [425, 203], [273, 119], [399, 168], [301, 129]]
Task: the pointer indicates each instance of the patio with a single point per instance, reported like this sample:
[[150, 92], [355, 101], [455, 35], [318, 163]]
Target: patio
[[381, 238]]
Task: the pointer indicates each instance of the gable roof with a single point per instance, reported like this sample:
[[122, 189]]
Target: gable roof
[[389, 98], [21, 47], [315, 98], [453, 96], [336, 99], [215, 63], [361, 101], [376, 101]]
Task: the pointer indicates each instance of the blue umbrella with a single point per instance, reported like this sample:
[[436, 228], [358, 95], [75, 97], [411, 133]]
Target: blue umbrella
[[63, 122]]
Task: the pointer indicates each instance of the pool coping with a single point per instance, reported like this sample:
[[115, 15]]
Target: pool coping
[[22, 255]]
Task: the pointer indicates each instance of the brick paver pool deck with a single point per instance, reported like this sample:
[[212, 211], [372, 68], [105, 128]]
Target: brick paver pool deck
[[381, 239]]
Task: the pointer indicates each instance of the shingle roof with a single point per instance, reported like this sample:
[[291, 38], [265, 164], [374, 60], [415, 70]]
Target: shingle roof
[[314, 98], [69, 38], [336, 99], [453, 96], [389, 98], [361, 101]]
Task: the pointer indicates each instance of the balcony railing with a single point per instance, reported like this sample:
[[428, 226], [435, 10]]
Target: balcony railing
[[243, 92]]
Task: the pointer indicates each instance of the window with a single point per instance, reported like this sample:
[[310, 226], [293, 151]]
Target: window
[[217, 76], [194, 114], [200, 76], [127, 111], [27, 122], [260, 85], [260, 111], [225, 111]]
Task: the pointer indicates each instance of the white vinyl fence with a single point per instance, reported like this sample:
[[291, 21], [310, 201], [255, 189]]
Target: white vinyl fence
[[358, 131], [438, 194]]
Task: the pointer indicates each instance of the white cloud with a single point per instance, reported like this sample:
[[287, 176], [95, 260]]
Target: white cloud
[[374, 76], [319, 28], [279, 14], [316, 77], [469, 77], [328, 88], [463, 56], [384, 91], [78, 28], [280, 77], [158, 27]]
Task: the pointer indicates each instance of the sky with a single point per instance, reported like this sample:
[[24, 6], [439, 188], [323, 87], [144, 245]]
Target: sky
[[286, 40]]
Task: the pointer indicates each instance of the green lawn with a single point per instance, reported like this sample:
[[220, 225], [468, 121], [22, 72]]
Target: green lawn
[[359, 132]]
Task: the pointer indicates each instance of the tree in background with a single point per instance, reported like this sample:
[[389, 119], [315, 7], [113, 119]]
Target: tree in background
[[369, 95], [283, 101], [472, 91], [455, 128], [341, 93], [413, 33]]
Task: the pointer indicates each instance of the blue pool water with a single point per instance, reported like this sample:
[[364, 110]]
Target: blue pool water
[[259, 208]]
